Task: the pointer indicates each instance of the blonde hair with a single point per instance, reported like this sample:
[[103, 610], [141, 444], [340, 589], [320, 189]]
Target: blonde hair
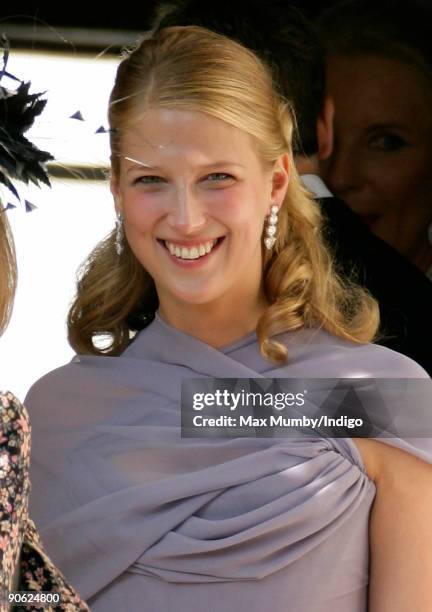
[[191, 68], [8, 271]]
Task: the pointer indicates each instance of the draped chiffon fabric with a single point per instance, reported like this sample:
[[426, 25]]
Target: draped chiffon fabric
[[139, 518]]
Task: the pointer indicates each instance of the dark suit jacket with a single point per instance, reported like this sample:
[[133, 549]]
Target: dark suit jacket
[[403, 292]]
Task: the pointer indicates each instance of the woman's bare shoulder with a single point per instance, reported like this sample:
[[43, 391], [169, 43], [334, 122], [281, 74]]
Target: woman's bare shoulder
[[400, 528], [384, 462]]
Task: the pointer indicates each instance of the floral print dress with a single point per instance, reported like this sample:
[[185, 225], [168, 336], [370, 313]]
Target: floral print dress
[[24, 566]]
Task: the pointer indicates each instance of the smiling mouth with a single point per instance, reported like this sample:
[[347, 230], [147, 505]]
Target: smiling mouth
[[193, 252]]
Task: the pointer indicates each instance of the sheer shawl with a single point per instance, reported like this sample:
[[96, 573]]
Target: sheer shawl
[[139, 518]]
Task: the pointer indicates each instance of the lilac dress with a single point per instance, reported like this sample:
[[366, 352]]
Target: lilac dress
[[140, 519]]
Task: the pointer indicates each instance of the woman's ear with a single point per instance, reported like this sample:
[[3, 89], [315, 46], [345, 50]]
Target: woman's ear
[[115, 190], [280, 179], [325, 134]]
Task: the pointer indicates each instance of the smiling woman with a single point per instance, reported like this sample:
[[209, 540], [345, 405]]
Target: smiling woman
[[379, 74], [189, 217], [217, 261], [191, 118]]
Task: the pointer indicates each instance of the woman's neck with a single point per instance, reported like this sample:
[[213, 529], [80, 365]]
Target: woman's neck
[[213, 324]]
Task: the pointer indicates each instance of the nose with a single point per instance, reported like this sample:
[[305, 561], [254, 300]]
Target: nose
[[186, 213], [342, 172]]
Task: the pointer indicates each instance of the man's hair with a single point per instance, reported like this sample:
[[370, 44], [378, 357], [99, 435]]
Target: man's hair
[[281, 36]]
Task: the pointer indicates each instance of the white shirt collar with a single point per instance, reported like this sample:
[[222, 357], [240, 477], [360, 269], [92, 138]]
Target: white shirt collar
[[316, 185]]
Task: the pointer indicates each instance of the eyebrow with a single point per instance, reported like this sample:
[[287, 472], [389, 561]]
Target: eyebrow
[[139, 165], [385, 126]]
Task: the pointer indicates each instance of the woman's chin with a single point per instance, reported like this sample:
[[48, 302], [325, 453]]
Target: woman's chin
[[199, 296]]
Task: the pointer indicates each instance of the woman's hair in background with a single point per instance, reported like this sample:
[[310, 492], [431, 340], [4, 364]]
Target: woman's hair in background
[[193, 69], [394, 29], [8, 270]]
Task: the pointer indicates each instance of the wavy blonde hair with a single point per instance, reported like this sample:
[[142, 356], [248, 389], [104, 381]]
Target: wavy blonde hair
[[191, 68], [8, 271]]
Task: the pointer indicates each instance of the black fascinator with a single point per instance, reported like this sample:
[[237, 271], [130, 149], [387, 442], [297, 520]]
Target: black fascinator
[[20, 159]]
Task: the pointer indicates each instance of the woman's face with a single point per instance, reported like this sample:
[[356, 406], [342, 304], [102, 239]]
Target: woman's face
[[194, 196], [381, 164]]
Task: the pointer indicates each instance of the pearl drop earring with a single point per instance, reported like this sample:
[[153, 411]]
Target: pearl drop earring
[[119, 235], [271, 228]]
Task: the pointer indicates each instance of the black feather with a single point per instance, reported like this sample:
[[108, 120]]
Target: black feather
[[20, 159]]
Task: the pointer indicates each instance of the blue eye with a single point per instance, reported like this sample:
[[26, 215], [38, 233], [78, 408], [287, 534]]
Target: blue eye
[[149, 179], [387, 142], [218, 176]]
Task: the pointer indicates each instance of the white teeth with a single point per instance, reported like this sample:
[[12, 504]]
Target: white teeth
[[190, 253]]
